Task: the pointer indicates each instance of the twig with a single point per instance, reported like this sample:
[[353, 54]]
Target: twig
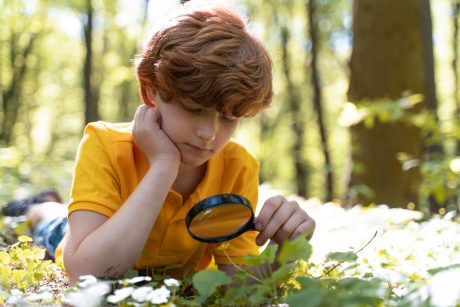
[[335, 266]]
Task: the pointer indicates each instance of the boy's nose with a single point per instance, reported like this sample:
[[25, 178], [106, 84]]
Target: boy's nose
[[207, 130]]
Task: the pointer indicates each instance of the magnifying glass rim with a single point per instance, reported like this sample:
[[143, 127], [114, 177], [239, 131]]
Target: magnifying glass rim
[[214, 201]]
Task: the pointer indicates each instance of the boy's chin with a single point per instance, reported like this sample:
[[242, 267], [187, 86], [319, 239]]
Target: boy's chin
[[193, 162]]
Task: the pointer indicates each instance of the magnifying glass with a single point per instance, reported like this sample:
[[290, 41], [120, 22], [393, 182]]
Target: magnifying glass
[[220, 218]]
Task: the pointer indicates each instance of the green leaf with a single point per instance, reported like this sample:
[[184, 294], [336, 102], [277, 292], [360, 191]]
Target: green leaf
[[305, 298], [260, 294], [292, 250], [267, 256], [342, 256], [309, 283], [25, 239], [4, 258], [283, 273], [234, 295], [445, 268], [130, 274], [207, 281]]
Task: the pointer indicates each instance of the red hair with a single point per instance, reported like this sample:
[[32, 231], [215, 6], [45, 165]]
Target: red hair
[[208, 56]]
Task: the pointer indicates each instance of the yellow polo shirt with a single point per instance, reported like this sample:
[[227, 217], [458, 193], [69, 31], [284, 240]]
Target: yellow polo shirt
[[108, 169]]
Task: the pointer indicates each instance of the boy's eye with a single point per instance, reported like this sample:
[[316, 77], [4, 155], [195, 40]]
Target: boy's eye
[[228, 118]]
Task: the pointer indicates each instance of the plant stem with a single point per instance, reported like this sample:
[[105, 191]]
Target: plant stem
[[331, 269], [241, 269]]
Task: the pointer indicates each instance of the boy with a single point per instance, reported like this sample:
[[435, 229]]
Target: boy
[[134, 183]]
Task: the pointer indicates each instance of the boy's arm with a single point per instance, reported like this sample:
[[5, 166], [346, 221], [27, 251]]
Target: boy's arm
[[108, 247]]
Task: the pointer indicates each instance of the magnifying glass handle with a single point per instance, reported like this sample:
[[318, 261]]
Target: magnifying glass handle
[[251, 226]]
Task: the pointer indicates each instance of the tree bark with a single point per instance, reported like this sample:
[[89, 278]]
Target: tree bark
[[11, 96], [432, 150], [388, 59], [455, 67], [90, 100], [317, 97], [125, 111], [298, 124]]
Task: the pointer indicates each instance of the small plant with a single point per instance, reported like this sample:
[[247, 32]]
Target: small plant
[[407, 263], [23, 271]]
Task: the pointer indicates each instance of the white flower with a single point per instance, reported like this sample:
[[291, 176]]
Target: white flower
[[120, 294], [171, 282], [141, 294], [136, 279], [87, 280], [90, 296], [44, 296], [100, 288], [16, 292], [159, 296], [442, 295]]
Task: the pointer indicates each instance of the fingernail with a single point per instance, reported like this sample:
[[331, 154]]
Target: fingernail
[[258, 226]]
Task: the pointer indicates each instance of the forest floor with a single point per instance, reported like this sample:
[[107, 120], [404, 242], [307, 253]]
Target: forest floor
[[415, 262]]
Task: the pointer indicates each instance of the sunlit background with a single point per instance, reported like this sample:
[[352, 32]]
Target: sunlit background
[[47, 40]]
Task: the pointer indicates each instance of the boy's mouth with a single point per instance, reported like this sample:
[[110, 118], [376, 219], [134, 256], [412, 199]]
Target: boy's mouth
[[198, 148]]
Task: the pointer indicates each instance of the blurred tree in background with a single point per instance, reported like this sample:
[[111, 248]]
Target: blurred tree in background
[[64, 63], [388, 61]]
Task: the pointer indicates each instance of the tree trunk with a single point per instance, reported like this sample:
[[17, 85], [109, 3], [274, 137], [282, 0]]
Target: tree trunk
[[388, 59], [317, 97], [455, 67], [126, 94], [433, 151], [91, 102], [11, 96], [298, 124]]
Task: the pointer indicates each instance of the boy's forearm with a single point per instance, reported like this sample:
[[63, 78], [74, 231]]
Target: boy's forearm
[[113, 248]]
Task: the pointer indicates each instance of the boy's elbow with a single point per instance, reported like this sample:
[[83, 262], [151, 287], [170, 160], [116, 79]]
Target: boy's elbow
[[71, 269], [74, 265], [73, 279], [75, 268]]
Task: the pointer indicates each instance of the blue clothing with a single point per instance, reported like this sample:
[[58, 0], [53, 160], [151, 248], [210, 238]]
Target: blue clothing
[[50, 233]]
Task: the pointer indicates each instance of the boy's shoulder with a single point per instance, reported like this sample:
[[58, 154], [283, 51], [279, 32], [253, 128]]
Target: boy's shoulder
[[237, 152], [115, 132]]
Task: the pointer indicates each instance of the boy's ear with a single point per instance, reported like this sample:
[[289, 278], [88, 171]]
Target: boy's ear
[[148, 93]]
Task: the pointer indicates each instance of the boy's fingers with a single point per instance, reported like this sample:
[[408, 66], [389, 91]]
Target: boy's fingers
[[276, 221], [268, 209], [286, 231], [306, 228], [140, 114], [153, 116]]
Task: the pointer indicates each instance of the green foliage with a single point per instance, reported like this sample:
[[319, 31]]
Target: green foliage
[[25, 277], [294, 250], [439, 170], [206, 282], [342, 256], [388, 272]]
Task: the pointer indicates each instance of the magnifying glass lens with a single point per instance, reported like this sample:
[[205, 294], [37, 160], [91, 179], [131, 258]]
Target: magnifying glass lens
[[220, 221]]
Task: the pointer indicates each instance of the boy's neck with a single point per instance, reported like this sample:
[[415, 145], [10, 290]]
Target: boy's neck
[[188, 178]]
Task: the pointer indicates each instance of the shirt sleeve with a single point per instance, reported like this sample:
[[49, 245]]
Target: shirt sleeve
[[95, 185], [246, 184]]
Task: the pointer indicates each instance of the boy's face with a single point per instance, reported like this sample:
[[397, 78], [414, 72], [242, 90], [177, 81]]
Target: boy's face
[[199, 132]]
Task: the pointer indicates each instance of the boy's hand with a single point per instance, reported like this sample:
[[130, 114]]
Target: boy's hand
[[150, 138], [281, 220]]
